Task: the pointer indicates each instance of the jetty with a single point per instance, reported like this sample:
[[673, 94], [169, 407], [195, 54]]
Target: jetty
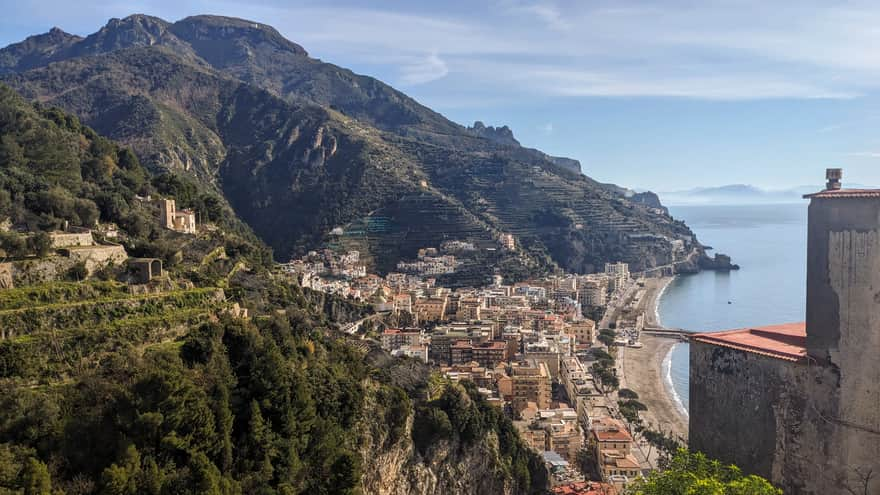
[[675, 333]]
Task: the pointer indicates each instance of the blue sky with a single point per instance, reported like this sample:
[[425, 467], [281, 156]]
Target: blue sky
[[660, 95]]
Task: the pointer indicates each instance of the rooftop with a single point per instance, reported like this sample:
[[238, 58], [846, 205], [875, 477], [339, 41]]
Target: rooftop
[[610, 430], [496, 345], [787, 341], [554, 459], [620, 461], [844, 193], [584, 488]]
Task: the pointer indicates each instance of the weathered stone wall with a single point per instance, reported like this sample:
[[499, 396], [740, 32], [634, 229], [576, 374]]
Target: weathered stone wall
[[97, 257], [812, 428], [68, 239], [843, 318], [777, 419], [39, 270]]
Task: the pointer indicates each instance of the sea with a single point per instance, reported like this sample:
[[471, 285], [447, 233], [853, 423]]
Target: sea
[[769, 244]]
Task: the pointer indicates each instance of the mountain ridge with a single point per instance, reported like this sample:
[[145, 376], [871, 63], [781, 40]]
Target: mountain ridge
[[181, 94]]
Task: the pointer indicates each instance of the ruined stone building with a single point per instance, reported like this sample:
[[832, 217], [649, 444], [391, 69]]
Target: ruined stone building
[[799, 403], [174, 219]]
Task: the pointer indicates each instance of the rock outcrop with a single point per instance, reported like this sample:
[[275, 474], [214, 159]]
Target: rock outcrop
[[501, 134], [720, 262], [398, 468]]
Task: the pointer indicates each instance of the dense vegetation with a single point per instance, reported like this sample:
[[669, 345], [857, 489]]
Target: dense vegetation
[[693, 474], [105, 389], [268, 406], [54, 170], [236, 408]]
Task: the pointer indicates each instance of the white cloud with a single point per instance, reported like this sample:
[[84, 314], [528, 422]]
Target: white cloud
[[708, 50], [547, 13], [423, 70], [865, 154], [546, 128], [710, 87]]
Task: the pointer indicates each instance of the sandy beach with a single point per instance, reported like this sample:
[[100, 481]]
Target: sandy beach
[[643, 371]]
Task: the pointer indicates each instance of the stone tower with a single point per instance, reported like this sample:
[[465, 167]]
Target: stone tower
[[167, 208], [843, 311]]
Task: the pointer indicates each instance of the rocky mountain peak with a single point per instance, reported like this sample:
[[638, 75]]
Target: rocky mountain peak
[[502, 134], [132, 31], [35, 50], [58, 33], [214, 28]]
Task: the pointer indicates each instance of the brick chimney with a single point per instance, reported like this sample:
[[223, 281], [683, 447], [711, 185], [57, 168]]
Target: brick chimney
[[833, 176]]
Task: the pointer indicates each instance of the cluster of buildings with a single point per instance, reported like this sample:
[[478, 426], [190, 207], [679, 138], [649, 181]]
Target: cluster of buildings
[[332, 272], [429, 261], [514, 341]]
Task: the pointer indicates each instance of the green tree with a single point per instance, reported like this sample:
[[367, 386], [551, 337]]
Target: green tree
[[694, 474], [626, 393], [35, 478], [122, 479], [40, 244]]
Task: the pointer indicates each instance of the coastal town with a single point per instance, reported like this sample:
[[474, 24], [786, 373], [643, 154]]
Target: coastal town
[[568, 358]]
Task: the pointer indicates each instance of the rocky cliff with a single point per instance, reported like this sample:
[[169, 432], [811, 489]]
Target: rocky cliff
[[399, 468], [452, 441]]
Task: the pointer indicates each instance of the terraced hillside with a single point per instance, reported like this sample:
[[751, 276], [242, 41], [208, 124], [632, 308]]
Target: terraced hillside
[[300, 147], [53, 331]]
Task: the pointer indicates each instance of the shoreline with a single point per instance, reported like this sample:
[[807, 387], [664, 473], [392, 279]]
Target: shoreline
[[670, 387], [647, 372], [667, 359], [652, 312]]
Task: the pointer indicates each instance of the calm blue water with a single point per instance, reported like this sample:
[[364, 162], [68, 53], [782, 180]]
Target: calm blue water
[[769, 243]]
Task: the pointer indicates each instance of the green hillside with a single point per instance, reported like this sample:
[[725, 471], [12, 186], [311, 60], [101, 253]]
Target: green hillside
[[113, 387]]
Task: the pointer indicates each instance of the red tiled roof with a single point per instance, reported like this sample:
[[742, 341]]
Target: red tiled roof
[[787, 341], [610, 430], [613, 436], [584, 488], [845, 193]]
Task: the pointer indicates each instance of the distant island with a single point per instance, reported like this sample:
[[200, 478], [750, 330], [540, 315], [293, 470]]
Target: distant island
[[738, 194]]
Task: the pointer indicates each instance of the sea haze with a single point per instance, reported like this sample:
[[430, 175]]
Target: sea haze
[[769, 243]]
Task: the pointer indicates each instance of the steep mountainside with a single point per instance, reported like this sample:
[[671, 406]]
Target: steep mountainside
[[110, 385], [300, 147]]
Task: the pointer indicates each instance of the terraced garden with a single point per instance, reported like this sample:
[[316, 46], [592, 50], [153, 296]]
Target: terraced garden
[[43, 341]]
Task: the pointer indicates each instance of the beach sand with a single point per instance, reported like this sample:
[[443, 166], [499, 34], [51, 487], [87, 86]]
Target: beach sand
[[643, 371]]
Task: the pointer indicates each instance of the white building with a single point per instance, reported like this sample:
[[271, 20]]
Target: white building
[[618, 274]]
